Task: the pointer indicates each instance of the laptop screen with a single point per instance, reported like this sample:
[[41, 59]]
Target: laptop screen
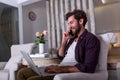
[[30, 62]]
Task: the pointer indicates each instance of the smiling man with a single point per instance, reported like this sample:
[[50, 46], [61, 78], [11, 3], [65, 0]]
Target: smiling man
[[79, 50]]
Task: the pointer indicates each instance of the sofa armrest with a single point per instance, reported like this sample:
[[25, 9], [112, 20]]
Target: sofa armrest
[[13, 63], [99, 75], [4, 74], [2, 65], [13, 68], [118, 70], [15, 49]]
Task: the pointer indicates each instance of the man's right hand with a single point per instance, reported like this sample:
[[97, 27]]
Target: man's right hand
[[66, 36]]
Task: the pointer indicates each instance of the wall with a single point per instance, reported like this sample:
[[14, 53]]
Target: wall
[[8, 30], [107, 18], [31, 27]]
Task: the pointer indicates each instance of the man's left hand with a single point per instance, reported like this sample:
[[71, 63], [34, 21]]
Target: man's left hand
[[53, 69]]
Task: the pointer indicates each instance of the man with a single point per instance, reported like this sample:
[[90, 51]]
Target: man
[[79, 49]]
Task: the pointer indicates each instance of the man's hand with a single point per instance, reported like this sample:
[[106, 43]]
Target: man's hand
[[66, 36], [53, 69], [60, 69]]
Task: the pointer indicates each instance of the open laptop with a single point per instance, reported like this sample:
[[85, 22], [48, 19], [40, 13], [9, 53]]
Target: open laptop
[[38, 70]]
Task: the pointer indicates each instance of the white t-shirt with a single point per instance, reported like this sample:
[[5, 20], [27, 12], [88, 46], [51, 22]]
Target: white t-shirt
[[69, 59]]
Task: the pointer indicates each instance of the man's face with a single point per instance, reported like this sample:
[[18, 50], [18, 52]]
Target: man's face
[[74, 25]]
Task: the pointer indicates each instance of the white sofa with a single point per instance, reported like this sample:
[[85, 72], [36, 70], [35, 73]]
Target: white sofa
[[4, 74], [8, 69], [101, 70]]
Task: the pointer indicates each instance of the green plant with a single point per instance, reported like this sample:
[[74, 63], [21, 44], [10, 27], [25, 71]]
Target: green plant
[[40, 37]]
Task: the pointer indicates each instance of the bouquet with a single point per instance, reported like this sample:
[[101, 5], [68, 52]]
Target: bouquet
[[40, 37]]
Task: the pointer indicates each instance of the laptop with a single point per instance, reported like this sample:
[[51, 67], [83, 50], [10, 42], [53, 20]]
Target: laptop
[[38, 70]]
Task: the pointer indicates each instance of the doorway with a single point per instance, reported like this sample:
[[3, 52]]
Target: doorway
[[9, 33]]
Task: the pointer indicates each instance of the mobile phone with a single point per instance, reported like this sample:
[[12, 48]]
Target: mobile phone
[[71, 33]]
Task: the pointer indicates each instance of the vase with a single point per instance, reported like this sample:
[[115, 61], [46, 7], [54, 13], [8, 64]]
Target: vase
[[41, 48]]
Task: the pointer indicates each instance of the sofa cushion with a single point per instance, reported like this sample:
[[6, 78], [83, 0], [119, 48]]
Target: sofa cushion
[[105, 41], [12, 61], [104, 46]]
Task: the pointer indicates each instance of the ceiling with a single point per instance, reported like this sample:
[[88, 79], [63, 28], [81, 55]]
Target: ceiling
[[98, 3]]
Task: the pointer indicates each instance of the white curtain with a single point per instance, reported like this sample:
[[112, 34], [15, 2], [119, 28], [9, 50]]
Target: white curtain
[[56, 10]]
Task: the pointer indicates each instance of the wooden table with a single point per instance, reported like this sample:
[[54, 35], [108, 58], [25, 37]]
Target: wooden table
[[112, 62], [43, 61]]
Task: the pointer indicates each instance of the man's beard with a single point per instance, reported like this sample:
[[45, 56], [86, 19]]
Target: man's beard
[[77, 30]]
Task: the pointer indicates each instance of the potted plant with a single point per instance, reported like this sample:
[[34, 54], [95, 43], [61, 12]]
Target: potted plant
[[41, 40]]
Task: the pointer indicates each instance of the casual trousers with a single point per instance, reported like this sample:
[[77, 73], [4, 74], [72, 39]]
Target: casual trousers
[[29, 74]]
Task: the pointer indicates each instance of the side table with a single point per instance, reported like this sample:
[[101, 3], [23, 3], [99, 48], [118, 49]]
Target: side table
[[113, 62], [113, 65], [43, 61]]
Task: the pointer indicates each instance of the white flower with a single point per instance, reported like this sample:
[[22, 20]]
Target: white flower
[[38, 34], [44, 32]]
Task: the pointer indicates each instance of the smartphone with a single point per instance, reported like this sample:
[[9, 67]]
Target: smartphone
[[71, 33]]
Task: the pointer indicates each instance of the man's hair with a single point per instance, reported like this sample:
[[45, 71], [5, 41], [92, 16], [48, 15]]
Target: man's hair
[[78, 14]]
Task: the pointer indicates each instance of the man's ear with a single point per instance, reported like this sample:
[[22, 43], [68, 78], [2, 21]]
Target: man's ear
[[81, 21]]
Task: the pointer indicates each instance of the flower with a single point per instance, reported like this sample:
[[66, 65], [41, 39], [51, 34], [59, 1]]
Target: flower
[[40, 37]]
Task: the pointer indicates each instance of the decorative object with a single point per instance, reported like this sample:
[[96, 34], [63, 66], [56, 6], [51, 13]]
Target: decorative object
[[41, 40], [32, 16]]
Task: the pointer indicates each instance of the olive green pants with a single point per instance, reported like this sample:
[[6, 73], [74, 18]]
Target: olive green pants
[[29, 74]]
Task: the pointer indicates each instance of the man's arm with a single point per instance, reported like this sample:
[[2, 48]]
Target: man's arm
[[91, 56], [62, 48], [61, 69], [65, 38]]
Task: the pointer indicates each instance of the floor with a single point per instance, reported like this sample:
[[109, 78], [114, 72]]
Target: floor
[[113, 75]]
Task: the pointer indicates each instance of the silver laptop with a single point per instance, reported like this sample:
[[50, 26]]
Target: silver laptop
[[38, 70]]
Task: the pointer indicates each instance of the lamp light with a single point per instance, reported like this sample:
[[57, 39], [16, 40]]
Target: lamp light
[[117, 44], [109, 1], [103, 1], [112, 38]]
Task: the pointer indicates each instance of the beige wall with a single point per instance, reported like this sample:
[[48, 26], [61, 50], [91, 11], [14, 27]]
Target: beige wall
[[107, 18], [31, 27]]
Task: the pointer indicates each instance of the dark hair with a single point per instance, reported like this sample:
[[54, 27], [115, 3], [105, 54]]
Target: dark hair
[[78, 14]]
